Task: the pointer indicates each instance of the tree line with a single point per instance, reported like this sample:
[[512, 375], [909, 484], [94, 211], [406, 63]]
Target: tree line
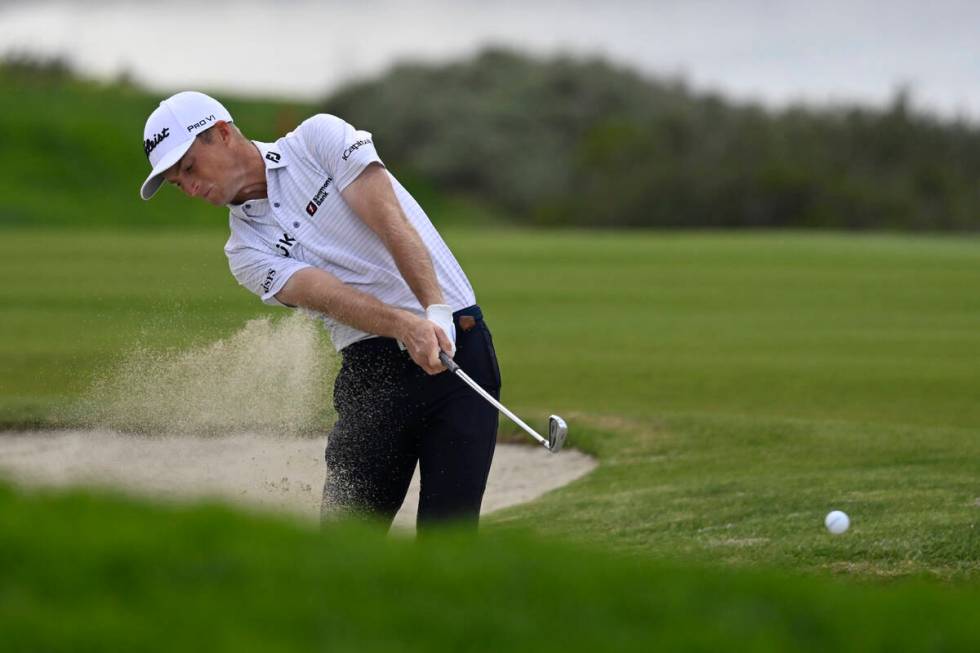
[[582, 142]]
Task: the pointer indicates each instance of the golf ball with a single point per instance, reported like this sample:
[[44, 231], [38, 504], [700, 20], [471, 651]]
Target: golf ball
[[837, 522]]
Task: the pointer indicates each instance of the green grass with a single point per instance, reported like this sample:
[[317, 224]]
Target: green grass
[[84, 298], [82, 572], [738, 387], [753, 492], [73, 153], [735, 388], [869, 329], [866, 328]]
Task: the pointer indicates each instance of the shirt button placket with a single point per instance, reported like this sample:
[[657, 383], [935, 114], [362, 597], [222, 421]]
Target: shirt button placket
[[295, 224]]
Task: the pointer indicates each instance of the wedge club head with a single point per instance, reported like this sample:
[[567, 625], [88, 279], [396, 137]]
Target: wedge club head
[[557, 429], [557, 432]]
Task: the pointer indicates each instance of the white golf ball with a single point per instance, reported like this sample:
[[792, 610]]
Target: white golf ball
[[837, 522]]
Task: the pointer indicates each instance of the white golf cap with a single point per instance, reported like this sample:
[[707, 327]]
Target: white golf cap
[[171, 128]]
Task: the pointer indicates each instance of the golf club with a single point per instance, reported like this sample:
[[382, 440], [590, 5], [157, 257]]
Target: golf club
[[557, 429]]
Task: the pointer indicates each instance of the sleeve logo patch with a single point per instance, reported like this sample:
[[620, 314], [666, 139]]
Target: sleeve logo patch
[[354, 147]]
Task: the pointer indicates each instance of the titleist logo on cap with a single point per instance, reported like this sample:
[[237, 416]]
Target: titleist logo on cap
[[150, 144]]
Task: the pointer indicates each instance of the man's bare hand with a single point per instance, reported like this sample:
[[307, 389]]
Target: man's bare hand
[[423, 340]]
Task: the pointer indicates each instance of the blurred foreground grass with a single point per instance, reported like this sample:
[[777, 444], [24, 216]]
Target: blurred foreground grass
[[84, 572]]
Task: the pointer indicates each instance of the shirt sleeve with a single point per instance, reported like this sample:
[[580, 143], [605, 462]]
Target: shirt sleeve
[[342, 150], [261, 272]]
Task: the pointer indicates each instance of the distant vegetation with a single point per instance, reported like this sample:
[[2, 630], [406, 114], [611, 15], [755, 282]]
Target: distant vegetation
[[23, 66], [71, 149], [559, 142], [584, 143]]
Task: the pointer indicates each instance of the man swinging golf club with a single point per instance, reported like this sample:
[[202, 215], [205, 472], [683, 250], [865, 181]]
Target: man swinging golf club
[[318, 222]]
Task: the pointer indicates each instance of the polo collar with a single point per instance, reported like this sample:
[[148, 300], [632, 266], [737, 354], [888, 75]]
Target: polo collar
[[273, 157]]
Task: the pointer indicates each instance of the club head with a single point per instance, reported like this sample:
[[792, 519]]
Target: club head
[[557, 432]]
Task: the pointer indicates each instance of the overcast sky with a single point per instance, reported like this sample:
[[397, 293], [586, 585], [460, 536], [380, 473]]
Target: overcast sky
[[776, 52]]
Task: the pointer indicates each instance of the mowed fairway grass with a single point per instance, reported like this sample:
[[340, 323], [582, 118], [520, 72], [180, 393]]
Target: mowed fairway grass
[[738, 387]]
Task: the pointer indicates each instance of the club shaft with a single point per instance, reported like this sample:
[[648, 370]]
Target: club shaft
[[503, 409]]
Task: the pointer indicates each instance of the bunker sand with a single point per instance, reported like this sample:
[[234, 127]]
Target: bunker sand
[[277, 474]]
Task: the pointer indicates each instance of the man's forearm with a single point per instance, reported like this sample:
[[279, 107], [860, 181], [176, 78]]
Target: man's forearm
[[320, 291], [372, 197], [413, 261]]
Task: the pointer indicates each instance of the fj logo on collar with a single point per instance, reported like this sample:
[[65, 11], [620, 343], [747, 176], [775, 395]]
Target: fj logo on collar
[[273, 156], [150, 144]]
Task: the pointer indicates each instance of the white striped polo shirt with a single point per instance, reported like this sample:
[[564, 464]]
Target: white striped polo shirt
[[305, 222]]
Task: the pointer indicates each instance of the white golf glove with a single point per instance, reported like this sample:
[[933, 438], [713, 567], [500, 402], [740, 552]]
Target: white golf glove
[[442, 315]]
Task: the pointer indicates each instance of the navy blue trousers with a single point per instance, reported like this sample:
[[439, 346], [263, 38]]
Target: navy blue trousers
[[392, 415]]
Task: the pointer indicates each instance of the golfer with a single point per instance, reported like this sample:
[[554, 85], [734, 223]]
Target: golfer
[[318, 222]]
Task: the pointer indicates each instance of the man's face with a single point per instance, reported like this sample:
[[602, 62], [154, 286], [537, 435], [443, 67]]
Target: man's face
[[205, 170]]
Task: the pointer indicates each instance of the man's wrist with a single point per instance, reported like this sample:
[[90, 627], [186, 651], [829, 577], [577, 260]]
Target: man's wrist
[[404, 321]]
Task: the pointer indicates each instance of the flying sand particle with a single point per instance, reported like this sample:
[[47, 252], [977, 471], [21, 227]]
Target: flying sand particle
[[273, 375]]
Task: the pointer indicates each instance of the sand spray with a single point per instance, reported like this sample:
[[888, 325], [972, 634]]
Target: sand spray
[[273, 376]]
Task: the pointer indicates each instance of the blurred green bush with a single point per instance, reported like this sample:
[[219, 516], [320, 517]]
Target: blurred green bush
[[71, 149], [556, 142], [582, 142]]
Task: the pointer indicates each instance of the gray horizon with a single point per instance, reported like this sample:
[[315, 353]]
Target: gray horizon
[[773, 53]]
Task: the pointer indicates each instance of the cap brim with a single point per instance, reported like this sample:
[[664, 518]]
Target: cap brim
[[155, 180]]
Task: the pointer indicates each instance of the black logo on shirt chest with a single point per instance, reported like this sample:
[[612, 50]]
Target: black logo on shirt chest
[[285, 244], [320, 196]]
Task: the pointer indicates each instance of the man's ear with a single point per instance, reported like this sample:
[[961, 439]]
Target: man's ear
[[224, 131]]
